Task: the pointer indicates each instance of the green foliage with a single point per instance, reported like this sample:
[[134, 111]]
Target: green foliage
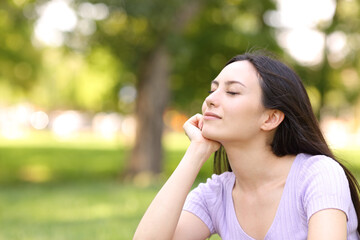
[[337, 78], [221, 31], [88, 75], [84, 81], [19, 59], [199, 49]]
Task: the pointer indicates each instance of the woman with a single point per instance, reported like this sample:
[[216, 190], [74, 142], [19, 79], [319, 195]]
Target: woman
[[275, 175]]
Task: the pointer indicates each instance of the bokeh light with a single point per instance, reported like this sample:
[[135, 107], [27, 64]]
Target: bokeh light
[[39, 120], [66, 124]]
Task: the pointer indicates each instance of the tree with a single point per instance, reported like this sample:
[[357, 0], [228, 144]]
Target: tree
[[17, 71], [176, 47], [341, 63], [334, 80]]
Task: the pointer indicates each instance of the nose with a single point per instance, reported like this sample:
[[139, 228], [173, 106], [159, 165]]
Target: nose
[[212, 99]]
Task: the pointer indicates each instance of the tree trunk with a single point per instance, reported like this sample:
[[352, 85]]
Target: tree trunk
[[153, 95]]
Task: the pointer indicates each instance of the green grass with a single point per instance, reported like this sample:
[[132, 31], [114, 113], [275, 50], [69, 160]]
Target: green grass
[[45, 159], [54, 164], [80, 210], [51, 189]]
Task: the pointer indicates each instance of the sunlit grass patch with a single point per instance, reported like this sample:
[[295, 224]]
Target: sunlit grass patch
[[87, 210], [45, 159], [44, 164]]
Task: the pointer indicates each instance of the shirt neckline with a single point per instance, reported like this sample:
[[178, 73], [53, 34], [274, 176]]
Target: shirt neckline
[[283, 195]]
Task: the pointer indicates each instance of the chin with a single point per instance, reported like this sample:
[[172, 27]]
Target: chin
[[210, 134]]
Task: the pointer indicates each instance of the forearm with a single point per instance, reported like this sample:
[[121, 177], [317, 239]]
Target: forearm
[[161, 218]]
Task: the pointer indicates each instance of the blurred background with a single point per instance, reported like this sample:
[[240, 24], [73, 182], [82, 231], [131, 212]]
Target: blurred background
[[93, 96]]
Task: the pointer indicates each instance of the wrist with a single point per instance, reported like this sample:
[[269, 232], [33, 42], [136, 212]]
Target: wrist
[[199, 151]]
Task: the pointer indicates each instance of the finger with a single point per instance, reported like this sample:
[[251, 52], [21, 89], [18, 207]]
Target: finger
[[194, 120], [201, 123], [198, 120]]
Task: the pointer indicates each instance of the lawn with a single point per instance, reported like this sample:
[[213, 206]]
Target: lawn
[[79, 210], [51, 189]]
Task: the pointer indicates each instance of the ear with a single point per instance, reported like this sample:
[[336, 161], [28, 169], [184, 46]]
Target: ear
[[273, 118]]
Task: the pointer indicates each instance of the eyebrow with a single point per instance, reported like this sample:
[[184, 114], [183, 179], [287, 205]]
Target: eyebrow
[[228, 82]]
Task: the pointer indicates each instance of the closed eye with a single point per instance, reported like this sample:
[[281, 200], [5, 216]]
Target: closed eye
[[231, 93]]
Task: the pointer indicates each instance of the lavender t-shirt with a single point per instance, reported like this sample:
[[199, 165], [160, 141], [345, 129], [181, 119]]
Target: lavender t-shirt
[[313, 183]]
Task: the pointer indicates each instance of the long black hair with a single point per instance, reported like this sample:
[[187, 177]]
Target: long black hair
[[299, 132]]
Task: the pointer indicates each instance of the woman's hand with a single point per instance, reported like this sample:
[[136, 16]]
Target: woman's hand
[[193, 127]]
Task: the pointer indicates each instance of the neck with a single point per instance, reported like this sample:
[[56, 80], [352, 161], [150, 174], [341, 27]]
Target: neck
[[257, 167]]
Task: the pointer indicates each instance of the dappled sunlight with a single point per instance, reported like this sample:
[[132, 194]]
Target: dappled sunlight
[[128, 94], [106, 125], [66, 124], [39, 120], [337, 45], [305, 45], [56, 17], [71, 212], [13, 121], [176, 141], [128, 128], [25, 121], [340, 133], [35, 173], [299, 35]]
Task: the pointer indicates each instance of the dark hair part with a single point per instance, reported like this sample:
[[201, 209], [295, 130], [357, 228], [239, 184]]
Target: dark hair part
[[299, 132]]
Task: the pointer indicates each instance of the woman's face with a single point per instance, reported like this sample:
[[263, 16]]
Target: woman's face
[[233, 110]]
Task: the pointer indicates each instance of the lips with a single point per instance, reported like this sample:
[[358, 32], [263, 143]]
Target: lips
[[210, 116]]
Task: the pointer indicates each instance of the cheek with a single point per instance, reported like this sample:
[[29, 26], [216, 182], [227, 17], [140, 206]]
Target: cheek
[[244, 119]]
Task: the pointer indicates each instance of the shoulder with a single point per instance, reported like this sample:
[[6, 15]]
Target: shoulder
[[319, 172], [219, 180], [322, 184], [217, 183], [208, 200], [214, 191], [315, 165]]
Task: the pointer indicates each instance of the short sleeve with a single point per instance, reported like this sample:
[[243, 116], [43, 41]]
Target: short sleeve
[[325, 186], [196, 204], [205, 201]]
